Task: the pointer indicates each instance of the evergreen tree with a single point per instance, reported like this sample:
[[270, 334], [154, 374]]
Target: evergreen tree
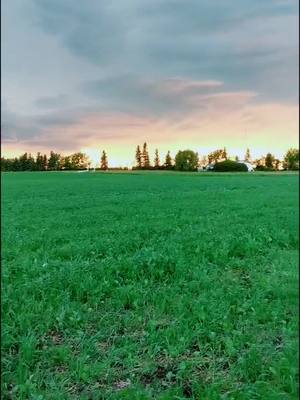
[[247, 155], [23, 162], [4, 164], [168, 161], [26, 162], [145, 157], [16, 164], [138, 157], [104, 162], [45, 163], [39, 162], [156, 159], [236, 158], [31, 166]]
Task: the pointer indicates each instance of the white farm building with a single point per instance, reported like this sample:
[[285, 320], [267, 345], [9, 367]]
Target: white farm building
[[248, 165], [210, 167]]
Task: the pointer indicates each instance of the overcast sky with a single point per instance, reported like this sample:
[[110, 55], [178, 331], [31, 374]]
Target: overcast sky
[[200, 74]]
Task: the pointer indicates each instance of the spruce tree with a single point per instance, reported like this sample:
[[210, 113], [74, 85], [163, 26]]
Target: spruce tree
[[104, 162], [39, 162], [145, 157], [45, 163], [138, 157], [16, 164], [23, 162], [168, 162], [31, 163], [156, 159], [247, 155]]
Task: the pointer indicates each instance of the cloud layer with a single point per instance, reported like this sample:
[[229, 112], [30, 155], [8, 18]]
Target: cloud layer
[[115, 73]]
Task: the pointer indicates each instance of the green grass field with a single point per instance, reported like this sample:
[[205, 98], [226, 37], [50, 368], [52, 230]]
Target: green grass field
[[149, 286]]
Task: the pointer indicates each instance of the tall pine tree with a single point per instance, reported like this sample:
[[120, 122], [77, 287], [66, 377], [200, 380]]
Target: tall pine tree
[[104, 162], [156, 159], [247, 155], [145, 157], [138, 157], [39, 162], [168, 161], [31, 163], [45, 163]]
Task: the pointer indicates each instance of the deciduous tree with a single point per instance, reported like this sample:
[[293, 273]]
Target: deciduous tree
[[269, 160], [186, 160], [79, 161], [224, 154], [54, 162], [291, 159], [215, 156]]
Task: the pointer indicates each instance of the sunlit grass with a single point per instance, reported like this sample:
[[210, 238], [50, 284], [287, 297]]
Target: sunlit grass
[[150, 286]]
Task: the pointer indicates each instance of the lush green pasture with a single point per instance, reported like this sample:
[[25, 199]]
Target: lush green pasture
[[149, 286]]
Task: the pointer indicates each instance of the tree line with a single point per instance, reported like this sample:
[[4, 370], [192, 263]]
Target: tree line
[[55, 162], [185, 160], [188, 160]]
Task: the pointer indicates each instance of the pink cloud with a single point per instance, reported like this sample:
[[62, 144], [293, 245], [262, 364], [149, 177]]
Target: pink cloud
[[215, 119]]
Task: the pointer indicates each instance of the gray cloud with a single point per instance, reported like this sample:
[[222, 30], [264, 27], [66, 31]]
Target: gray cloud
[[146, 97], [211, 39], [65, 61], [52, 102]]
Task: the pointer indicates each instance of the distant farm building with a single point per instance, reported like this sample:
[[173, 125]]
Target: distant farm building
[[210, 166], [248, 165]]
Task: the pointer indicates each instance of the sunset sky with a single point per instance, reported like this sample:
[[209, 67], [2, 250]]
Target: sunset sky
[[201, 74]]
